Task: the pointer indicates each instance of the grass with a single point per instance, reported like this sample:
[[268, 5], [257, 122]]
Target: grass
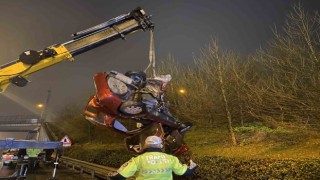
[[288, 144], [280, 154], [112, 155]]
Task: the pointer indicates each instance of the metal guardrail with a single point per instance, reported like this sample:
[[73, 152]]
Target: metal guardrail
[[50, 133], [20, 119], [94, 169]]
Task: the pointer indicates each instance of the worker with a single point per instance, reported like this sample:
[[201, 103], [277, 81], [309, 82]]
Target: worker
[[154, 164], [33, 153], [33, 161]]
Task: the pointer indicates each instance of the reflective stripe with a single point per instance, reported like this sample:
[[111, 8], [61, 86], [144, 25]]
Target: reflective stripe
[[156, 171]]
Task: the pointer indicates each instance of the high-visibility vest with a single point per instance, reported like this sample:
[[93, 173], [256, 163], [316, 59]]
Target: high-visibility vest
[[33, 152], [153, 165]]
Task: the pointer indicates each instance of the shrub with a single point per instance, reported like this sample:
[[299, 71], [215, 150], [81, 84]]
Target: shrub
[[231, 168], [212, 167], [99, 154]]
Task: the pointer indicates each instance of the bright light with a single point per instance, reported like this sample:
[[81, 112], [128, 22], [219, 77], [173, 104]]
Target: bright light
[[40, 105], [182, 91]]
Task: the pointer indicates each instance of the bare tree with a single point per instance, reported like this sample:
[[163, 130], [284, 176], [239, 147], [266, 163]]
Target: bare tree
[[216, 66], [291, 72]]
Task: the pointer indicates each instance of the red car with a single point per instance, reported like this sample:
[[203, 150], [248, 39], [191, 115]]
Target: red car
[[9, 157], [132, 96]]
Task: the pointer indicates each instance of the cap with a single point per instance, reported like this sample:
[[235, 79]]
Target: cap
[[153, 140]]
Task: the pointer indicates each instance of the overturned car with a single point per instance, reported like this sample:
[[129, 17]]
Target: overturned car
[[134, 97]]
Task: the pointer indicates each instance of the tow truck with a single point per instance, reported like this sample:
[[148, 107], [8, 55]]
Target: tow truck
[[11, 143]]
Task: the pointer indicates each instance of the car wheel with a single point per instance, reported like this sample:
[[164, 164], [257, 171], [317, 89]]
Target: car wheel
[[138, 77], [117, 87], [132, 108]]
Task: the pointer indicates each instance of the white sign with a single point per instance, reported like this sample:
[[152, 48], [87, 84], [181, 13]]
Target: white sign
[[66, 142], [34, 121]]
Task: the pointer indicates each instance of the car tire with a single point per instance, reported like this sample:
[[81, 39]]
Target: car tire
[[117, 87], [133, 108], [139, 78]]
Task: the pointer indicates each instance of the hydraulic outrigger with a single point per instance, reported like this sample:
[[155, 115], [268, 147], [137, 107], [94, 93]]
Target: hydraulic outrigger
[[31, 61]]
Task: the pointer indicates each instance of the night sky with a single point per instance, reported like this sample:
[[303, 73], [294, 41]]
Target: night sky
[[182, 28]]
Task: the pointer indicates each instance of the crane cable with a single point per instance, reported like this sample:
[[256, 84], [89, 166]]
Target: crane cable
[[152, 57]]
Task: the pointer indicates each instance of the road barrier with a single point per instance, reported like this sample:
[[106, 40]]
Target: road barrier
[[50, 133], [94, 169], [20, 120]]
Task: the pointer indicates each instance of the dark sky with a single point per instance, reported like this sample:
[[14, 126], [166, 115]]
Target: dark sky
[[182, 28]]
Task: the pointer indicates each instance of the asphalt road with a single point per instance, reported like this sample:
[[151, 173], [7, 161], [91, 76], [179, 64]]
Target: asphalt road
[[62, 173], [5, 171], [46, 172]]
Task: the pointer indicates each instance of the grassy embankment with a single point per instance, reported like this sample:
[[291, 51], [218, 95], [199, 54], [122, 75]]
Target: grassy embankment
[[254, 143], [261, 154]]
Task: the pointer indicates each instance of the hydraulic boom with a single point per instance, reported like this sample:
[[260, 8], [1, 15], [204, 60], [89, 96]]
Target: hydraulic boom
[[30, 61]]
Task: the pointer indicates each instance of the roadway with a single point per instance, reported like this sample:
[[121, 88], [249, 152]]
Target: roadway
[[5, 171], [45, 172]]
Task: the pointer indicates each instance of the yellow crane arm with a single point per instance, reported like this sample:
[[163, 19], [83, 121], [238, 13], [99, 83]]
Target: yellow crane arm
[[19, 70], [31, 61]]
